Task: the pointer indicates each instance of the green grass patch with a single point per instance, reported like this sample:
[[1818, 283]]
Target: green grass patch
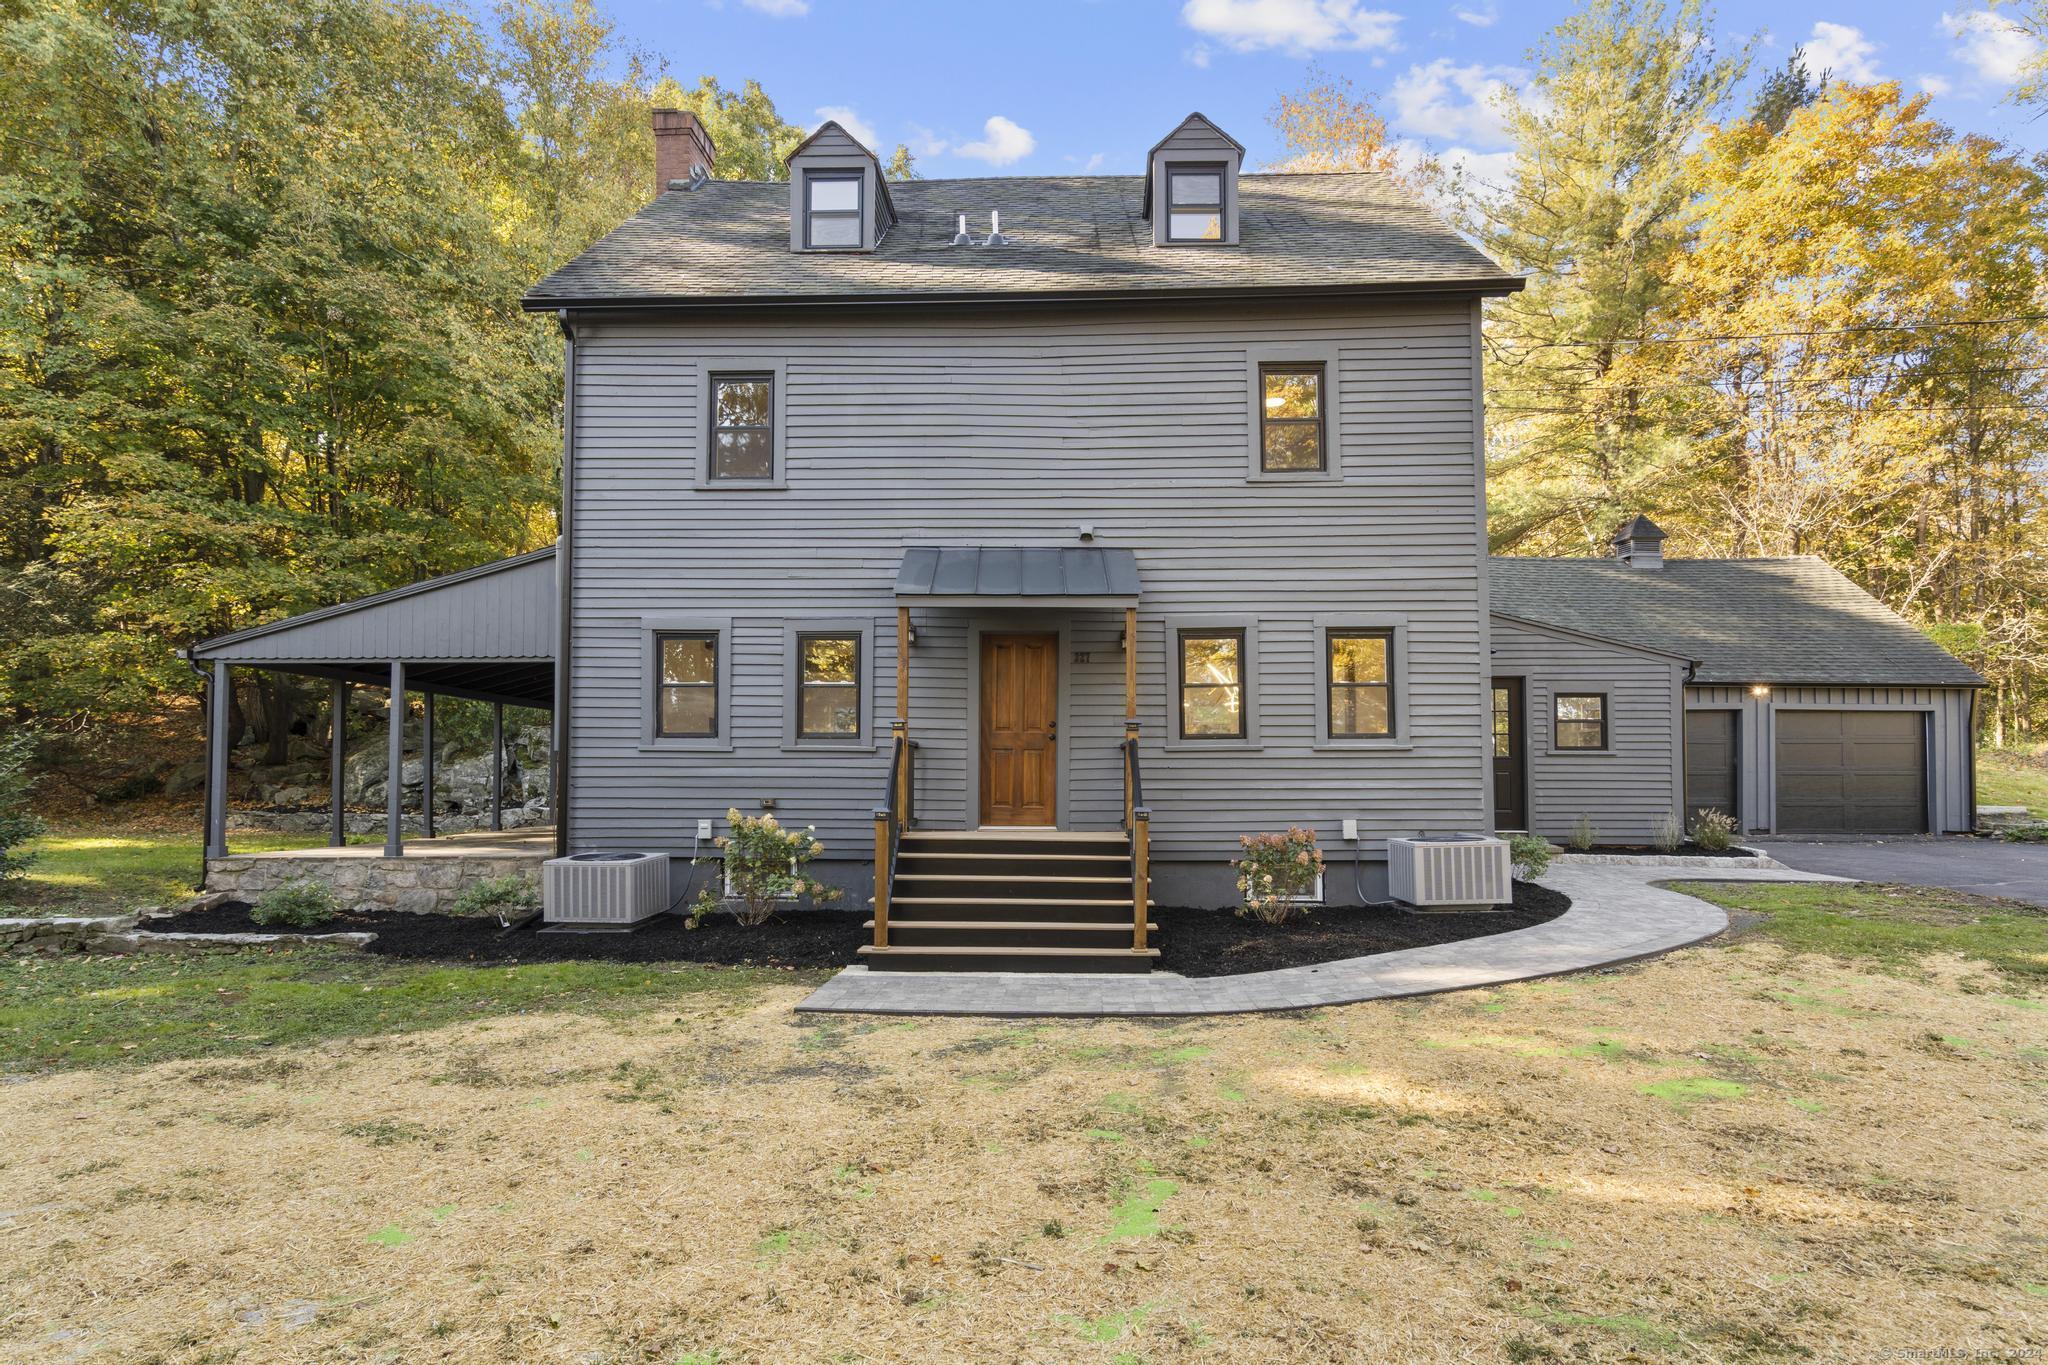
[[1689, 1090], [2008, 778], [1137, 1215], [65, 1012], [1892, 926], [106, 872]]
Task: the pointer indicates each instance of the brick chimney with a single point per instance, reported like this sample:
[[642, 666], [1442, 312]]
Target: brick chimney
[[1640, 544], [680, 146]]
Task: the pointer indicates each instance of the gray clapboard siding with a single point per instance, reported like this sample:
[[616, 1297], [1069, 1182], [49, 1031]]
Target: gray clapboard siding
[[1626, 789], [1950, 743], [1014, 429]]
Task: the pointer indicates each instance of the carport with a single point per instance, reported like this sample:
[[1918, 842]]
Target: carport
[[484, 634]]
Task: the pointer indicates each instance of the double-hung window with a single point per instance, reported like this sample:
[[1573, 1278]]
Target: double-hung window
[[1212, 672], [1581, 721], [832, 209], [686, 684], [1291, 418], [1361, 681], [1194, 203], [828, 687], [742, 427]]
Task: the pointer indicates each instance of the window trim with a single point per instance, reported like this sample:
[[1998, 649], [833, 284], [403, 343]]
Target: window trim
[[710, 368], [651, 629], [1321, 420], [794, 631], [1219, 169], [858, 213], [1328, 639], [1395, 628], [1258, 360], [1557, 744], [1249, 679]]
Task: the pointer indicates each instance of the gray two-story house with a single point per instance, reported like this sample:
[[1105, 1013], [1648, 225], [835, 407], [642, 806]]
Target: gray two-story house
[[1035, 538]]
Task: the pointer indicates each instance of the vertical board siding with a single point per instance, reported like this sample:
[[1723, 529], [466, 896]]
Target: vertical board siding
[[1015, 429], [1625, 791], [1949, 743]]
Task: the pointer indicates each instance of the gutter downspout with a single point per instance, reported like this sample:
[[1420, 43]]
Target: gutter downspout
[[558, 778]]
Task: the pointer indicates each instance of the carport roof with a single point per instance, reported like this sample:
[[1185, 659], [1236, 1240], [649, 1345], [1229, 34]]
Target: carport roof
[[1783, 621], [487, 633]]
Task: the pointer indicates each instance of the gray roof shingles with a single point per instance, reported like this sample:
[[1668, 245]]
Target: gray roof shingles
[[729, 240], [1783, 621]]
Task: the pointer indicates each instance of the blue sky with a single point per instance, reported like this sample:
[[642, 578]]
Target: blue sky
[[990, 87]]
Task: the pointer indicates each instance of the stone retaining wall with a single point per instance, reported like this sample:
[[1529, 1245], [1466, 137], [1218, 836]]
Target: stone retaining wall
[[62, 933], [420, 885]]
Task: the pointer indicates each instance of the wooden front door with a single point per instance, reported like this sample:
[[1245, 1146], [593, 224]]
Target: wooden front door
[[1510, 756], [1019, 729]]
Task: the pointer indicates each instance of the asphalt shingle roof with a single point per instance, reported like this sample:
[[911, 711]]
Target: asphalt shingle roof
[[1783, 621], [729, 239]]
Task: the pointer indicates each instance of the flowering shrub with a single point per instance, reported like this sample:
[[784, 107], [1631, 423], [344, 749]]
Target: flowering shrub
[[1274, 869], [764, 864], [1713, 830]]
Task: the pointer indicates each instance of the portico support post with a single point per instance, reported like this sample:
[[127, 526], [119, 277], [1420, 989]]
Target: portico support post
[[394, 769], [337, 752], [427, 766], [217, 741], [497, 766]]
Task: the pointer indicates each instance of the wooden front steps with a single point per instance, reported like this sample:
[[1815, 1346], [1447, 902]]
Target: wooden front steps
[[1003, 901]]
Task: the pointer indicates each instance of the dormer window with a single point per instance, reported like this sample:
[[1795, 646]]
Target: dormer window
[[1191, 186], [1194, 203], [838, 197], [832, 214]]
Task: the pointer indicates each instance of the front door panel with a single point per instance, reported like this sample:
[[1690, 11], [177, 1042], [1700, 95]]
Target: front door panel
[[1510, 756], [1019, 729]]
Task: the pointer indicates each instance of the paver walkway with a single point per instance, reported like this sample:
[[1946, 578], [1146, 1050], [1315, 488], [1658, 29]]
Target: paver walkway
[[1618, 914]]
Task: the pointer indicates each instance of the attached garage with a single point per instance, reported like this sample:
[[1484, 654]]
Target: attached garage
[[1852, 771]]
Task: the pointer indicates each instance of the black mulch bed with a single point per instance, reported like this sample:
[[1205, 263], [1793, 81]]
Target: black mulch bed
[[1223, 943], [805, 939], [1191, 942], [1682, 851]]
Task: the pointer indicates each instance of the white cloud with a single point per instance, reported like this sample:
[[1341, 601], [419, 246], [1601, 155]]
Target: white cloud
[[1842, 50], [780, 9], [845, 117], [1478, 18], [1933, 84], [1298, 27], [1002, 143], [1094, 163], [1198, 56], [1453, 102], [1995, 48]]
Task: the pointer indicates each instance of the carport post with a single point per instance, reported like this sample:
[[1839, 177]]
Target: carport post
[[217, 740], [427, 767], [497, 766], [394, 769], [337, 742]]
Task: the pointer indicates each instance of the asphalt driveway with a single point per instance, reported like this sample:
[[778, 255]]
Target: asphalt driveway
[[1987, 867]]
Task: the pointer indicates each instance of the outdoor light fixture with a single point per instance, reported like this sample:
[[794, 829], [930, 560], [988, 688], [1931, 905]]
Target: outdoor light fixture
[[1760, 690]]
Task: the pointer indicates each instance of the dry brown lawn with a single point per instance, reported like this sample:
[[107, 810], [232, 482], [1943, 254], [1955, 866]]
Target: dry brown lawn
[[1731, 1153]]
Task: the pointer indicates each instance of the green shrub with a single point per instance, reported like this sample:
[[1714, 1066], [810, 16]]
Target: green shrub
[[1583, 836], [18, 824], [2025, 834], [1274, 871], [1669, 834], [764, 866], [506, 897], [1530, 854], [1713, 830], [299, 903]]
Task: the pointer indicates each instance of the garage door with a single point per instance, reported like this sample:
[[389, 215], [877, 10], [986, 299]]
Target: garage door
[[1852, 771]]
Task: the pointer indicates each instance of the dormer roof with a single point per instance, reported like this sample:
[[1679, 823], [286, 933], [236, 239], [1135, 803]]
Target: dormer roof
[[830, 137], [1197, 133]]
